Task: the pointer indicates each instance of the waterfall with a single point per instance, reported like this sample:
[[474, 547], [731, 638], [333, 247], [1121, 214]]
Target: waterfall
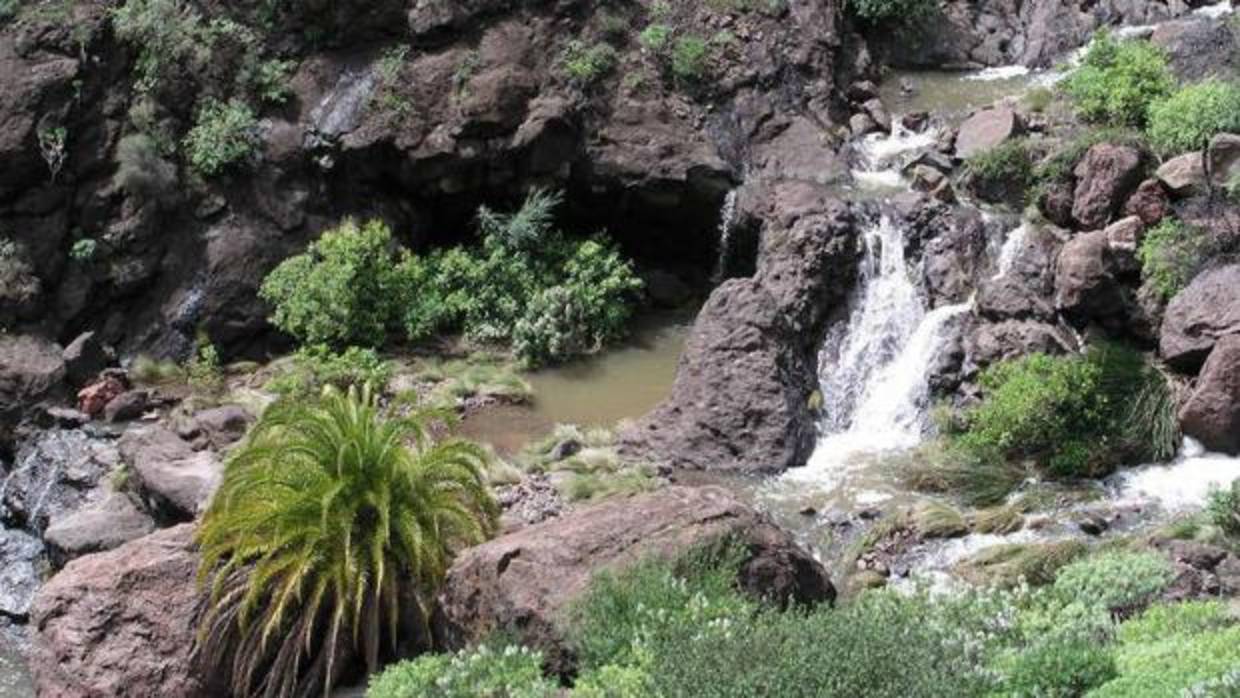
[[882, 155], [1012, 246], [874, 368], [727, 217]]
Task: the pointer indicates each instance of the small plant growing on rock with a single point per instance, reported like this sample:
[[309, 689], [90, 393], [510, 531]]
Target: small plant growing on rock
[[1171, 254], [52, 146], [885, 12], [1223, 509], [585, 64], [83, 250], [225, 134]]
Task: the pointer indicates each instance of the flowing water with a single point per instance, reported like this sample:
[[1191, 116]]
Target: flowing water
[[727, 219]]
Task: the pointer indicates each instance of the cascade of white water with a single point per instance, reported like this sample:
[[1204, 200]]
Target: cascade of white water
[[727, 217], [882, 153]]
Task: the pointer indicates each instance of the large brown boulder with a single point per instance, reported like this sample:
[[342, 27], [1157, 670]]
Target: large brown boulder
[[986, 129], [1084, 285], [1199, 315], [742, 392], [121, 623], [526, 581], [1105, 177], [1212, 413], [31, 370]]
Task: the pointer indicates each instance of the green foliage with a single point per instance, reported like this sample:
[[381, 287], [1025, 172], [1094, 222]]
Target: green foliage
[[1006, 170], [269, 80], [1189, 118], [317, 366], [655, 38], [1009, 565], [388, 96], [473, 377], [690, 59], [1059, 670], [587, 64], [84, 250], [1118, 581], [888, 12], [169, 36], [480, 672], [1119, 80], [149, 371], [225, 134], [1073, 415], [1171, 255], [204, 371], [1173, 648], [344, 290], [1223, 509], [329, 534], [1059, 166]]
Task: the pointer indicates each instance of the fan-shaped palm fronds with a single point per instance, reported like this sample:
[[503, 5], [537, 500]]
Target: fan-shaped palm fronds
[[332, 527]]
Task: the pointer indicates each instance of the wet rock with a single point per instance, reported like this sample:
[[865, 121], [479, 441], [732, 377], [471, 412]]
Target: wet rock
[[20, 562], [95, 397], [1092, 524], [109, 522], [925, 178], [175, 481], [66, 417], [987, 129], [1149, 202], [32, 370], [1209, 308], [1212, 414], [122, 623], [127, 406], [862, 91], [915, 121], [84, 359], [1223, 159], [954, 252], [991, 342], [741, 398], [861, 124], [1183, 175], [526, 581], [1105, 178], [878, 112], [1197, 48], [54, 473]]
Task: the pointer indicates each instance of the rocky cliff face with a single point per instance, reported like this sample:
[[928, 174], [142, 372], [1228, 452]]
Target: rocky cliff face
[[412, 112]]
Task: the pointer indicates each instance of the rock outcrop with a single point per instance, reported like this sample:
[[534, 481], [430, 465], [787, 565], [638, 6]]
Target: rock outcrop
[[1105, 177], [741, 398], [106, 523], [1197, 317], [120, 623], [174, 480], [1212, 413], [31, 370], [526, 581], [987, 129]]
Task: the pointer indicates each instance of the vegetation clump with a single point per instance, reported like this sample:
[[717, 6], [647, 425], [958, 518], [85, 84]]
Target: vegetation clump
[[1171, 255], [331, 530], [225, 134], [1118, 80], [1190, 117], [888, 12]]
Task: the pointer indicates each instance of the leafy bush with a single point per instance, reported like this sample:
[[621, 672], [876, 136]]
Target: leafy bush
[[1118, 581], [1004, 172], [367, 512], [168, 35], [891, 11], [1223, 509], [343, 290], [317, 366], [655, 37], [587, 64], [1189, 118], [1119, 80], [269, 79], [1172, 648], [84, 250], [140, 168], [1074, 415], [690, 59], [1171, 255], [480, 672], [1059, 670], [225, 134]]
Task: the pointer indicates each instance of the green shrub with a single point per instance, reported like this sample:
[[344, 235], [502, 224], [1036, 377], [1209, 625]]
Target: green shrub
[[168, 34], [1073, 415], [891, 11], [1170, 649], [1059, 670], [1223, 509], [690, 59], [1171, 255], [1119, 80], [480, 672], [1118, 581], [1189, 118], [225, 134], [84, 250], [1002, 173], [204, 371], [317, 366], [613, 681], [343, 290], [588, 64], [269, 80], [655, 37], [1009, 565], [1059, 165]]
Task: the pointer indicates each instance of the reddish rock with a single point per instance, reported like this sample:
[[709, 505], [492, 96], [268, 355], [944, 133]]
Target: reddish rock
[[121, 623], [1105, 177], [1184, 175], [96, 396], [173, 478], [1212, 413], [1083, 282], [526, 581], [1149, 202], [987, 129], [1199, 315]]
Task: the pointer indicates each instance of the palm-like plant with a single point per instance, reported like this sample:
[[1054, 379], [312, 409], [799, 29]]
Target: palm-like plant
[[331, 529]]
